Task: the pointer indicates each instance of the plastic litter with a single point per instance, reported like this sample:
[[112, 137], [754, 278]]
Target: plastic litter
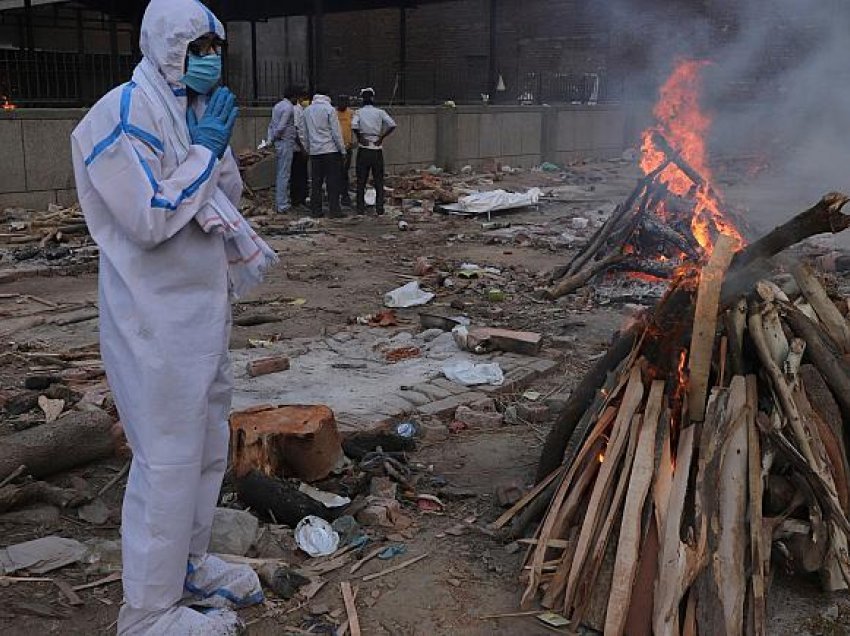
[[316, 537], [370, 197], [41, 555], [471, 374], [495, 295], [329, 499], [410, 295], [548, 166], [392, 551], [407, 429]]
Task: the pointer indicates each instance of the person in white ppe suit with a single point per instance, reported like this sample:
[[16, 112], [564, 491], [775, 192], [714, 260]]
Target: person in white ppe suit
[[159, 186]]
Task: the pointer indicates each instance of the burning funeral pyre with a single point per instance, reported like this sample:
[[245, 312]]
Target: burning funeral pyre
[[707, 446], [674, 214]]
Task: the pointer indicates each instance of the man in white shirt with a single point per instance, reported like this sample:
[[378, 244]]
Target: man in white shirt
[[324, 143], [371, 125]]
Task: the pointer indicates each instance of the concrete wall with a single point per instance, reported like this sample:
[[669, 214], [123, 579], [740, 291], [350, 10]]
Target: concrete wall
[[37, 170]]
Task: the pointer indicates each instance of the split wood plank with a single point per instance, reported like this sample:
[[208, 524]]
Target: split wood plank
[[549, 521], [705, 324], [571, 506], [756, 489], [604, 482], [728, 562], [68, 592], [395, 568], [834, 323], [639, 618], [350, 608], [675, 560], [628, 545], [586, 587], [111, 578]]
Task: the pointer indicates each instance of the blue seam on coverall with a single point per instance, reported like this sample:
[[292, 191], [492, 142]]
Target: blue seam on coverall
[[252, 599]]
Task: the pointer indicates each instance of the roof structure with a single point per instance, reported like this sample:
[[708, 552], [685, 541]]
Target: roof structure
[[247, 10]]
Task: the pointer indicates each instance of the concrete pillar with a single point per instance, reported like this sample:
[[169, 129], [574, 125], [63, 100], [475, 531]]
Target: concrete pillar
[[549, 135], [447, 124]]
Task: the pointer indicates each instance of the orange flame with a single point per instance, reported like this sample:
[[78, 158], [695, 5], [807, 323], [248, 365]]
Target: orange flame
[[682, 122], [7, 104]]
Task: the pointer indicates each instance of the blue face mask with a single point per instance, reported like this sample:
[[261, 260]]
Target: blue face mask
[[202, 73]]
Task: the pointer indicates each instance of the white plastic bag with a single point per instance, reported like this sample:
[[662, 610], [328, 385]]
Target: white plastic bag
[[471, 374], [316, 536], [410, 295]]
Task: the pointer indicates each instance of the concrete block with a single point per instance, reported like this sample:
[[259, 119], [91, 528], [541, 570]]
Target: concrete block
[[452, 387], [432, 391], [544, 367], [478, 419], [518, 380], [13, 175], [447, 407], [490, 131], [468, 137], [423, 139], [415, 397], [397, 147], [47, 154], [434, 431], [36, 200]]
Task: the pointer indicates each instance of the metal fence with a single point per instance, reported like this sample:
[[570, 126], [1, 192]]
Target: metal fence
[[46, 78]]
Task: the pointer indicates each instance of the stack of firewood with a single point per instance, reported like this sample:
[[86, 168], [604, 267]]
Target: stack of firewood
[[708, 439], [649, 233], [55, 225]]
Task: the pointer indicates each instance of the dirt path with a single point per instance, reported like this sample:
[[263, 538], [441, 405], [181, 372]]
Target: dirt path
[[341, 272]]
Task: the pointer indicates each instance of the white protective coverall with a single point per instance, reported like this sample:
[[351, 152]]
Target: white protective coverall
[[173, 248]]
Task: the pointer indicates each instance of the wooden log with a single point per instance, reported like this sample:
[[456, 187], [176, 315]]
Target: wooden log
[[551, 520], [676, 561], [350, 607], [626, 562], [604, 232], [77, 439], [705, 325], [824, 217], [831, 370], [597, 506], [280, 501], [285, 441], [639, 618], [573, 282], [603, 533], [728, 561], [755, 483], [777, 342], [12, 496], [556, 441], [834, 323]]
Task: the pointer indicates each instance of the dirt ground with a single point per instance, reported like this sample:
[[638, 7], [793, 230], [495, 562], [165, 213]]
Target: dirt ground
[[342, 271]]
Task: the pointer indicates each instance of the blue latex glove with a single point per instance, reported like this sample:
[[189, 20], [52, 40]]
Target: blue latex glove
[[215, 127]]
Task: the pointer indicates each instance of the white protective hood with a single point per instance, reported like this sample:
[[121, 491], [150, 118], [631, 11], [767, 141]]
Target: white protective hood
[[167, 29]]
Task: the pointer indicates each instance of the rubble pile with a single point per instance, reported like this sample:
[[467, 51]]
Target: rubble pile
[[58, 234]]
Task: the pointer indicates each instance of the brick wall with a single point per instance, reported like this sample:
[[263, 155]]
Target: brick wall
[[448, 46]]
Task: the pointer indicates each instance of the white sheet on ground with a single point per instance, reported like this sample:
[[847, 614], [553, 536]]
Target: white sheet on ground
[[486, 202]]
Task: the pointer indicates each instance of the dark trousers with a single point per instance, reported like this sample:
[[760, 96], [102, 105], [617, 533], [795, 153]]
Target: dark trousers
[[326, 169], [298, 179], [370, 161], [346, 171]]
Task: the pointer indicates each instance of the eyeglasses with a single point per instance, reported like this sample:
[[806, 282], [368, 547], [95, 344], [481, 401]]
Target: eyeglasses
[[206, 45]]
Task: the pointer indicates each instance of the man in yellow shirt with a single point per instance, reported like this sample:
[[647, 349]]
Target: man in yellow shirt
[[345, 115]]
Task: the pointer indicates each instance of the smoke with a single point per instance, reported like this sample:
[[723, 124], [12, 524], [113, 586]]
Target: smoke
[[778, 88]]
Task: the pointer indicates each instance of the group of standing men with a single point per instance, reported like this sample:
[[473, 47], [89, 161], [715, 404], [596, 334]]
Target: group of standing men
[[323, 135]]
